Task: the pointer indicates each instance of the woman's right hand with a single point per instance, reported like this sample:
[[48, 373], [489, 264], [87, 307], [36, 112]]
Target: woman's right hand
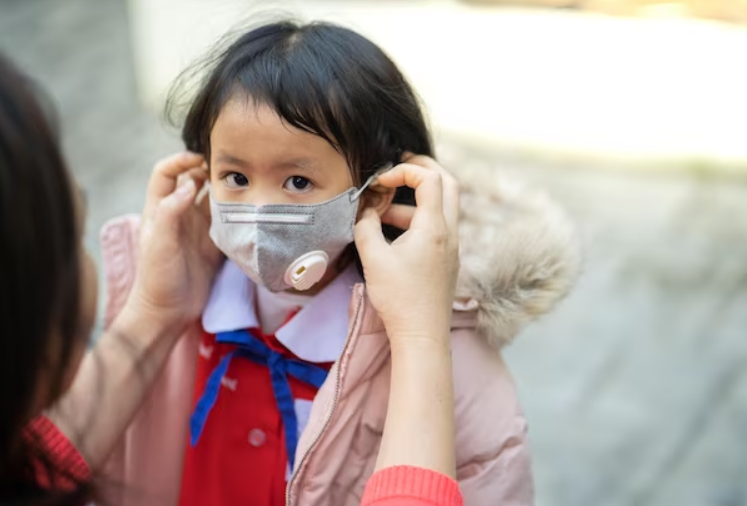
[[411, 282]]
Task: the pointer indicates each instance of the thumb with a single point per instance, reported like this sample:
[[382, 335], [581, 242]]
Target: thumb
[[369, 239], [174, 205]]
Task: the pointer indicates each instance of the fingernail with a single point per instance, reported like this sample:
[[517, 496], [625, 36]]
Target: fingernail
[[186, 189]]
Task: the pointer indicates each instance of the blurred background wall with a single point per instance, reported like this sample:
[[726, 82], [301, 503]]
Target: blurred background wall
[[632, 114]]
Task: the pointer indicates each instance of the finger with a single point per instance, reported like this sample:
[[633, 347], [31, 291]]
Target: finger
[[424, 161], [426, 183], [198, 175], [451, 199], [449, 183], [164, 177], [399, 215], [369, 239], [172, 207], [452, 206]]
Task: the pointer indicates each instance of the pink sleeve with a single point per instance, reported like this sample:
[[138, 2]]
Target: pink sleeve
[[411, 486]]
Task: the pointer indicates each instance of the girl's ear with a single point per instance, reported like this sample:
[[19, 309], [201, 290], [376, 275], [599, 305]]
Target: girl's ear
[[377, 197]]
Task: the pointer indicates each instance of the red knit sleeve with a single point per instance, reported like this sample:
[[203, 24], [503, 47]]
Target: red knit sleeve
[[60, 465], [411, 486]]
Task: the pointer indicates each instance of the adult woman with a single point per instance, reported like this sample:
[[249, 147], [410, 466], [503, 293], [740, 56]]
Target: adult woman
[[48, 300]]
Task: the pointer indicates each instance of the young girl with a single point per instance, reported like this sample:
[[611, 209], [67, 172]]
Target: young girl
[[280, 395], [63, 411]]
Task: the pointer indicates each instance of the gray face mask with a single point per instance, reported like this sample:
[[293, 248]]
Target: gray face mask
[[284, 246]]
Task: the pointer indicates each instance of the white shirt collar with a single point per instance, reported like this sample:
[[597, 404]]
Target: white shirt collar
[[317, 333]]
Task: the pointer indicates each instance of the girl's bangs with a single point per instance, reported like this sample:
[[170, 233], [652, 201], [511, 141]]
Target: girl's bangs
[[302, 92]]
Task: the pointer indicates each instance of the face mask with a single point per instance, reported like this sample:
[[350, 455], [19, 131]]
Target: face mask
[[284, 246]]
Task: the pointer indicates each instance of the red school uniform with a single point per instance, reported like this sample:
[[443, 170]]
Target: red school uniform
[[240, 429]]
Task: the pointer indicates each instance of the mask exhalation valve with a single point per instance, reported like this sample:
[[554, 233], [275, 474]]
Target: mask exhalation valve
[[307, 270]]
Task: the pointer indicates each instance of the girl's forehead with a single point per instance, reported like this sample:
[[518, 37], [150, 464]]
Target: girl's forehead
[[244, 130]]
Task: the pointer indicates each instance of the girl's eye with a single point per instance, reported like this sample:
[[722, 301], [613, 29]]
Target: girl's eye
[[297, 184], [235, 180]]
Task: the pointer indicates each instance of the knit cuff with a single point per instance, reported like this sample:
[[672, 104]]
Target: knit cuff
[[418, 485], [60, 452]]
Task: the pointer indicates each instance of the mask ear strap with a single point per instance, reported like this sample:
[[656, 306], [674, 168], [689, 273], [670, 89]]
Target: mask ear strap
[[370, 181], [203, 192]]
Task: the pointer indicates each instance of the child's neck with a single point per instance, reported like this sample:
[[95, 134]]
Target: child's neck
[[274, 309]]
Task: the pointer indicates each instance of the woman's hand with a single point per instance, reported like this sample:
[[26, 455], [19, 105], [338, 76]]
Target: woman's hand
[[411, 282], [177, 260], [176, 265]]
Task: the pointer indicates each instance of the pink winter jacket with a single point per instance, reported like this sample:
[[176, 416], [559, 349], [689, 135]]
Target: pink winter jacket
[[518, 258]]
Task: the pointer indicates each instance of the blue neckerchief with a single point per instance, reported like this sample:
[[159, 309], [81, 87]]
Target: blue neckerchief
[[252, 348]]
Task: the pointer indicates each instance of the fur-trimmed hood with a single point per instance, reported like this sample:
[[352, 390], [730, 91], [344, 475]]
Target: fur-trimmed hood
[[519, 252]]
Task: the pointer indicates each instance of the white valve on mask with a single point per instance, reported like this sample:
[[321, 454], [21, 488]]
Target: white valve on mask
[[307, 270]]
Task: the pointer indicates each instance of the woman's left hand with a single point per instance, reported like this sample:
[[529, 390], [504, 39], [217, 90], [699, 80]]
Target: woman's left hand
[[418, 270], [176, 266], [178, 260]]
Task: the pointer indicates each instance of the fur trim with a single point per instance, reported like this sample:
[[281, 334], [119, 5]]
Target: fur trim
[[519, 252]]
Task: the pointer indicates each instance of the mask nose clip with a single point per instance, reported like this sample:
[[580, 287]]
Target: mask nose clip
[[307, 270]]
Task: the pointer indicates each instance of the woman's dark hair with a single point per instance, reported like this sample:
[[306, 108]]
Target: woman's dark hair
[[321, 78], [39, 284]]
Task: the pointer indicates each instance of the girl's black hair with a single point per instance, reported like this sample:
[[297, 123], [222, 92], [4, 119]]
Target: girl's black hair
[[39, 286], [321, 78]]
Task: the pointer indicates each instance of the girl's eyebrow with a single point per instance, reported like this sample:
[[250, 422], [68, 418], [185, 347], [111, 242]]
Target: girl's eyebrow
[[305, 164], [231, 160], [300, 164]]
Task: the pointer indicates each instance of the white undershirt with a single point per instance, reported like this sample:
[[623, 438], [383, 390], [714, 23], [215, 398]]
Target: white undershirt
[[273, 308]]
